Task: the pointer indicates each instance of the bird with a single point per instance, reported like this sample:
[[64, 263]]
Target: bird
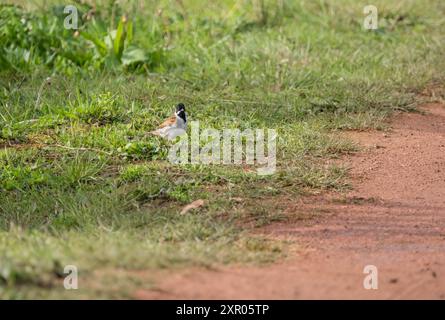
[[173, 126]]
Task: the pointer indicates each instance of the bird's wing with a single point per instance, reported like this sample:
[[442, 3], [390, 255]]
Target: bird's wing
[[169, 122]]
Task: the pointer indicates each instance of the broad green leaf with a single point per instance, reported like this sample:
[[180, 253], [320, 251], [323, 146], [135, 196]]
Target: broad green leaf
[[133, 55], [100, 45], [129, 32], [119, 39]]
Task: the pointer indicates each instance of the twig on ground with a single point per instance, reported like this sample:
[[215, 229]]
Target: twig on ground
[[80, 149], [27, 121], [46, 81]]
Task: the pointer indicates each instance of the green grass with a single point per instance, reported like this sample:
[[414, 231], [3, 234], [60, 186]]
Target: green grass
[[82, 183]]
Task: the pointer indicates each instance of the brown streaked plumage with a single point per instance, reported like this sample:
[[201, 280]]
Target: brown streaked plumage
[[168, 122]]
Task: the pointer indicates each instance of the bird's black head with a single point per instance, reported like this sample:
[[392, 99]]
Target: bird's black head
[[180, 107], [180, 111]]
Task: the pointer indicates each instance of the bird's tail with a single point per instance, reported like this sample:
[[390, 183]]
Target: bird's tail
[[155, 132]]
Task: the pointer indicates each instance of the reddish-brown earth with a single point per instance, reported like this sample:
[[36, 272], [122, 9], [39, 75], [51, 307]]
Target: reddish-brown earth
[[393, 219]]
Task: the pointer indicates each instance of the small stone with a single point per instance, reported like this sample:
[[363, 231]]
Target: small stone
[[393, 280]]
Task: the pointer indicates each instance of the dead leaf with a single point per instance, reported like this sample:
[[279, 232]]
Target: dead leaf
[[194, 205]]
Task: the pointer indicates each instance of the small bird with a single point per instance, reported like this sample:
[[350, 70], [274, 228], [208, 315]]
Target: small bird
[[173, 126]]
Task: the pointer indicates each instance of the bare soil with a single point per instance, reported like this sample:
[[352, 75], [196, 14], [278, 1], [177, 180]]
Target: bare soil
[[394, 219]]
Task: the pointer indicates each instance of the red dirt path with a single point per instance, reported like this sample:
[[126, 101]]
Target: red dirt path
[[394, 219]]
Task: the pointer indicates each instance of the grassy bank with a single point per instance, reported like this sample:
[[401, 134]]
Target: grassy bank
[[83, 184]]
